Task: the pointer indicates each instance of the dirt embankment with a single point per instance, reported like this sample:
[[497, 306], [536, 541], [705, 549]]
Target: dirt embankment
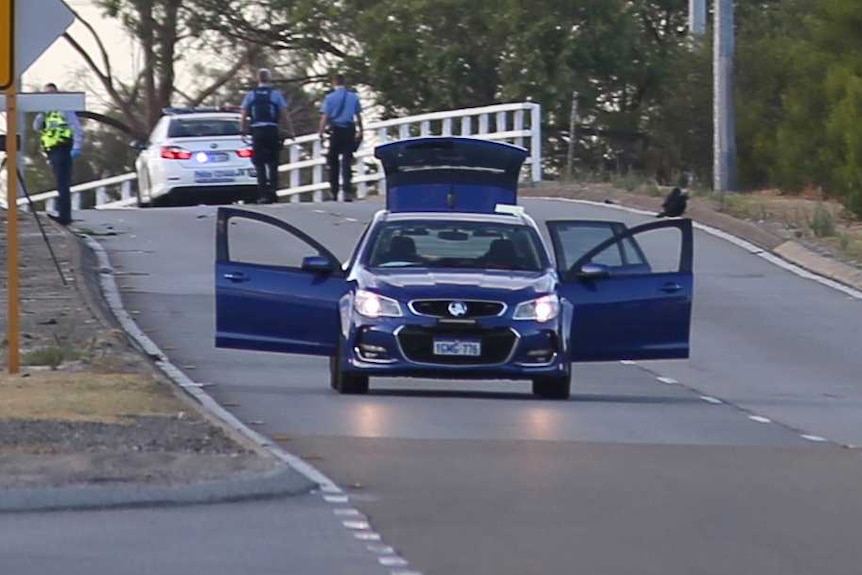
[[87, 407]]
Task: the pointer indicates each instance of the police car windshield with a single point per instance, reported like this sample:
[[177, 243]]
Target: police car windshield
[[459, 245], [203, 127]]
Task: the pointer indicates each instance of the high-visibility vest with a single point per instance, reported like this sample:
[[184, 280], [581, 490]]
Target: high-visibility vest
[[56, 131]]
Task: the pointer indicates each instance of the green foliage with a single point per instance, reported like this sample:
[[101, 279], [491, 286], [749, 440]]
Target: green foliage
[[822, 223], [644, 87]]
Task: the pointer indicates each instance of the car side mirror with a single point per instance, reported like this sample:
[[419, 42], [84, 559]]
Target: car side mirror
[[594, 271], [317, 264], [136, 145]]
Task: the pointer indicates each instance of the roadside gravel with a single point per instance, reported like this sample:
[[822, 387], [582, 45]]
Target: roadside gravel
[[87, 407]]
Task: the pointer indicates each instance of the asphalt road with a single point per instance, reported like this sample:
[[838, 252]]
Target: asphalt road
[[712, 465]]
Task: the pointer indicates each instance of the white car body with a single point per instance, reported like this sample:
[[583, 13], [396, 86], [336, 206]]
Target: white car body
[[195, 157]]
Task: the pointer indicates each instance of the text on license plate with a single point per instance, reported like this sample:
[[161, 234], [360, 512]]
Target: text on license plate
[[218, 176], [457, 347]]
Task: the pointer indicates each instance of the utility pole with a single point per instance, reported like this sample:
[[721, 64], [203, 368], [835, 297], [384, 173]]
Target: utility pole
[[573, 138], [724, 117], [697, 17]]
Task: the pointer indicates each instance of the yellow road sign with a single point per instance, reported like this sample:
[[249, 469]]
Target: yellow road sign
[[7, 43]]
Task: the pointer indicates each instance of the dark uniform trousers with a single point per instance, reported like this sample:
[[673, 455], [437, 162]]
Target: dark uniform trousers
[[60, 157], [266, 146], [342, 144]]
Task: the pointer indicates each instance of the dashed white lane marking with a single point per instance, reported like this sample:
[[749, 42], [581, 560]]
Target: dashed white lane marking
[[357, 525], [351, 220], [628, 362], [348, 512], [815, 438], [367, 536], [381, 549], [667, 380], [336, 498], [712, 400], [392, 561], [759, 419], [319, 211]]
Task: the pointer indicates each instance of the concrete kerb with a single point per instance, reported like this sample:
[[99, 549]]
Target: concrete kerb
[[783, 256], [186, 384], [292, 477]]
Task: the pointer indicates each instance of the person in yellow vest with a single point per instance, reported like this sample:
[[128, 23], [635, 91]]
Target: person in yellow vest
[[61, 137]]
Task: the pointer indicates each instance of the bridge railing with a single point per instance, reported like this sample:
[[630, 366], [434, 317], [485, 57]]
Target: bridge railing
[[304, 177]]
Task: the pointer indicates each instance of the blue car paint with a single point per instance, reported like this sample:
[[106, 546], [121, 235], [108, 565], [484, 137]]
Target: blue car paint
[[630, 314], [450, 174]]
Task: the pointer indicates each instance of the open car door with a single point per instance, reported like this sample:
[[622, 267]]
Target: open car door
[[272, 294], [625, 306]]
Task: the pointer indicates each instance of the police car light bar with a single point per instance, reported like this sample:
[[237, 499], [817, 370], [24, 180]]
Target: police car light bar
[[509, 209], [199, 109]]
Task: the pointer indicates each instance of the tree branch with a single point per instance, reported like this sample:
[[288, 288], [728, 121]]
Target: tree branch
[[123, 104], [249, 55]]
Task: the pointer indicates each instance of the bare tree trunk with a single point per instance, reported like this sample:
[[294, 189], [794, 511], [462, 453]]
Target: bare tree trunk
[[167, 42], [146, 35]]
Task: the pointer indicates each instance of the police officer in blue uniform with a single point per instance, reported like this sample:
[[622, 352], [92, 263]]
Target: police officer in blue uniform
[[341, 116], [265, 110], [61, 137]]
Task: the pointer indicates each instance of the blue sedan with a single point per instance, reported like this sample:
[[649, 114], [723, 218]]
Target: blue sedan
[[454, 280]]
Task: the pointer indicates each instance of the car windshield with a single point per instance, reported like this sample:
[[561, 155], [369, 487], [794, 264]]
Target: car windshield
[[463, 245], [203, 127]]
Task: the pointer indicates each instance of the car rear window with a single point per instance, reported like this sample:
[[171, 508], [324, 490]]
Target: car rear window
[[203, 127], [467, 245]]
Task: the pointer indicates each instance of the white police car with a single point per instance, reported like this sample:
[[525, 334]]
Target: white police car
[[195, 155]]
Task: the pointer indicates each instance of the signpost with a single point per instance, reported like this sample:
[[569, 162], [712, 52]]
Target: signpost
[[39, 23], [7, 44], [8, 79]]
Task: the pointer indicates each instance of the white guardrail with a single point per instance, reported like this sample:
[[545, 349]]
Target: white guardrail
[[305, 172]]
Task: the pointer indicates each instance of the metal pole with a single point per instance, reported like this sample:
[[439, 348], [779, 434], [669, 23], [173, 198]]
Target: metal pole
[[573, 136], [13, 326], [697, 17], [724, 138]]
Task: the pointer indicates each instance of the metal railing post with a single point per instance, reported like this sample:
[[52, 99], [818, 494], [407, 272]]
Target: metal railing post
[[536, 142]]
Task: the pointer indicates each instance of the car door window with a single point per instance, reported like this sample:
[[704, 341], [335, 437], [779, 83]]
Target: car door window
[[574, 239], [259, 239], [649, 248]]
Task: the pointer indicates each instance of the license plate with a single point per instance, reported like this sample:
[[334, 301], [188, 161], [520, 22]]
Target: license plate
[[218, 157], [457, 347], [215, 176]]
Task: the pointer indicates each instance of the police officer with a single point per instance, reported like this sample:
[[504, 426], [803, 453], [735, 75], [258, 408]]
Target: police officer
[[266, 110], [61, 137], [338, 111]]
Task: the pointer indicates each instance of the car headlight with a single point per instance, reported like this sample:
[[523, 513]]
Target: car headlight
[[374, 305], [540, 309]]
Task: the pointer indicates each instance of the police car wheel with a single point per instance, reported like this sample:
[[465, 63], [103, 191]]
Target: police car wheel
[[553, 387]]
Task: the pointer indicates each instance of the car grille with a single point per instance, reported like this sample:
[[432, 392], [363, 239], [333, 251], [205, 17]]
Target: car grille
[[417, 344], [474, 308]]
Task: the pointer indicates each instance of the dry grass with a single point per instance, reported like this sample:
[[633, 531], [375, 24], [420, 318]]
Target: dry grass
[[84, 396], [823, 222]]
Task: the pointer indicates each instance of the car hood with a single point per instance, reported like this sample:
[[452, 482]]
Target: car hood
[[463, 284]]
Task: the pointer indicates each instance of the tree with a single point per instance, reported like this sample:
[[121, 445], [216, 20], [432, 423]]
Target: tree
[[163, 28]]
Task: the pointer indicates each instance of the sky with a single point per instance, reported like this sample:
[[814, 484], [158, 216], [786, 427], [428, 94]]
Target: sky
[[62, 65]]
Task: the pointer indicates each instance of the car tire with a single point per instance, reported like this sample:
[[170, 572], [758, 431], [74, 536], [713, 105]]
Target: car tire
[[553, 387], [344, 382], [141, 202]]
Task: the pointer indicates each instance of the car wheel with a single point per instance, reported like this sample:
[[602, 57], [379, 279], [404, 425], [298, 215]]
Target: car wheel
[[333, 372], [553, 387], [141, 202], [344, 382]]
